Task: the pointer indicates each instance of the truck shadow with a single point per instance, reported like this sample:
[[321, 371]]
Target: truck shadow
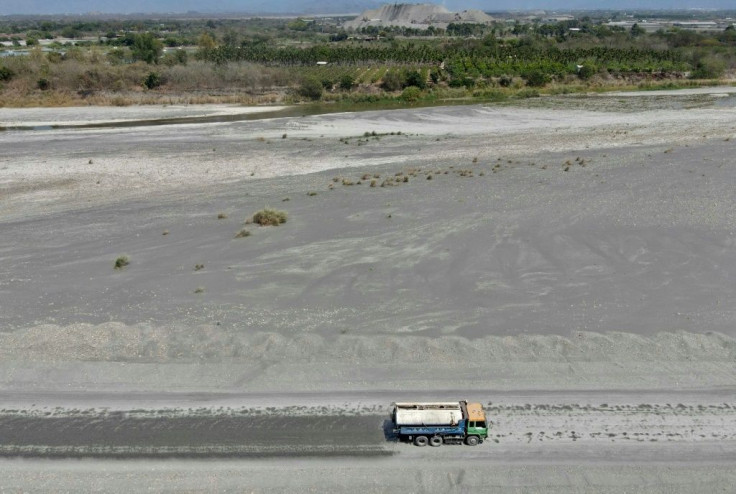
[[388, 431]]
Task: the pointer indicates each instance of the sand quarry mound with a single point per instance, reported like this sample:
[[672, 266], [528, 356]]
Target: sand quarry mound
[[207, 358], [416, 15], [145, 343]]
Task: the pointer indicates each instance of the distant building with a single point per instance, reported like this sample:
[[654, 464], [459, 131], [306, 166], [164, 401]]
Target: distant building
[[696, 25]]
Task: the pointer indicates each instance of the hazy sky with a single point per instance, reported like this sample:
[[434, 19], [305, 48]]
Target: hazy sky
[[255, 6]]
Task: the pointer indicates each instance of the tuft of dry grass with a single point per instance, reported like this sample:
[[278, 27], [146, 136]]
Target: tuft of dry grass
[[243, 233], [269, 217]]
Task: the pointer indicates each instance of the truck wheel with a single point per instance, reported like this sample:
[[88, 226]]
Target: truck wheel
[[421, 440], [435, 441], [472, 440]]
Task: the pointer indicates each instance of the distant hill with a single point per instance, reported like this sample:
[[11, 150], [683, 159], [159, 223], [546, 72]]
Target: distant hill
[[416, 15]]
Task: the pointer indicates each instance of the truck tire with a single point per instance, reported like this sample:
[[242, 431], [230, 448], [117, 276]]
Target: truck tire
[[472, 440], [435, 441], [421, 441]]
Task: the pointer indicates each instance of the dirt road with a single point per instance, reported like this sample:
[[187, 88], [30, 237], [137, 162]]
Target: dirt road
[[554, 446]]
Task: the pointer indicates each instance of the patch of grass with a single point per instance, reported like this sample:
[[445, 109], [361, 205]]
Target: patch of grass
[[165, 232], [243, 233], [222, 216], [121, 262], [269, 217], [311, 193], [197, 267], [199, 289]]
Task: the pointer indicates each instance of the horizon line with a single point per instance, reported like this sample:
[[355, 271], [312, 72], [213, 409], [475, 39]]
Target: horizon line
[[316, 14]]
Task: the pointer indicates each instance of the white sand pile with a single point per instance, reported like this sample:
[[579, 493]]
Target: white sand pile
[[415, 16]]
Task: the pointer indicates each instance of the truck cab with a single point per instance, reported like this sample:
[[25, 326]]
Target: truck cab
[[477, 424]]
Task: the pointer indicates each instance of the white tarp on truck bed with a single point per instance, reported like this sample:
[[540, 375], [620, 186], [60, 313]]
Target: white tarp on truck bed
[[408, 414]]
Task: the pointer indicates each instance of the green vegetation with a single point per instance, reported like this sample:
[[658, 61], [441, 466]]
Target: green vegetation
[[5, 73], [152, 80], [121, 262], [192, 60], [311, 88], [269, 217]]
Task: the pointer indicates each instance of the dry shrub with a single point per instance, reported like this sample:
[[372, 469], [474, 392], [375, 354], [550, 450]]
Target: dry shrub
[[269, 217]]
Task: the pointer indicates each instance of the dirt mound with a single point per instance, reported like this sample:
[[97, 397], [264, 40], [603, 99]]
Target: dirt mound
[[149, 343], [416, 15]]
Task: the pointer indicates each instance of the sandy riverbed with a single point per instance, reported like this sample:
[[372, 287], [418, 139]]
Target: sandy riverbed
[[580, 253]]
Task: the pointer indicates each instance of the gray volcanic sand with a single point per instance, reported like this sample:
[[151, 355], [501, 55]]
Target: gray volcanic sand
[[569, 251]]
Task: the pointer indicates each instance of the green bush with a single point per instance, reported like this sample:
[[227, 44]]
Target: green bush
[[536, 78], [415, 78], [175, 57], [392, 81], [269, 217], [505, 81], [152, 80], [310, 88], [347, 82], [587, 71], [147, 48], [5, 73], [708, 68], [412, 93], [121, 262]]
